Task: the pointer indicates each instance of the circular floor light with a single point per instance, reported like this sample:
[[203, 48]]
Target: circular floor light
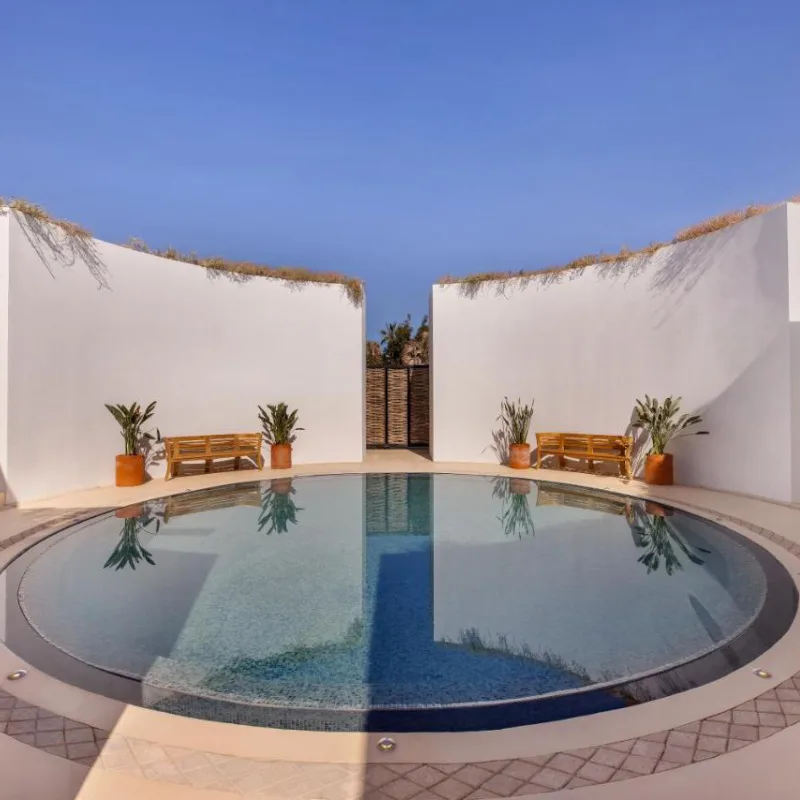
[[17, 674], [386, 745], [762, 673]]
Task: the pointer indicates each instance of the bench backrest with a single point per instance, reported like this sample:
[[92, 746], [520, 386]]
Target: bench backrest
[[186, 446], [582, 442]]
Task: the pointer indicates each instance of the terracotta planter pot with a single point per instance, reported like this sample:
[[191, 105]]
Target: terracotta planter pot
[[656, 509], [519, 486], [519, 456], [281, 485], [280, 456], [130, 470], [130, 512], [658, 470]]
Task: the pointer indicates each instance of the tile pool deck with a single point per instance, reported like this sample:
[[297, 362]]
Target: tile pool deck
[[734, 738]]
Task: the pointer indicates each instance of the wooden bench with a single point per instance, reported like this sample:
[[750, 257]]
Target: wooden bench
[[237, 446], [590, 446]]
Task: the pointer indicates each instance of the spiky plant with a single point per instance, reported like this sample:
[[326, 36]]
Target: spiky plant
[[279, 423], [131, 419], [664, 422], [516, 420], [129, 550]]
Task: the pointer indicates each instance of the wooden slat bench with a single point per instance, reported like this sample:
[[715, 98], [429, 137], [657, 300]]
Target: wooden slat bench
[[237, 446], [590, 446]]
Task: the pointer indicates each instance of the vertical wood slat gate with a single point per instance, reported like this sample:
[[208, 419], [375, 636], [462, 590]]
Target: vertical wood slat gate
[[398, 406]]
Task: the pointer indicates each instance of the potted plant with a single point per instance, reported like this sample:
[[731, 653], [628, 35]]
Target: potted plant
[[130, 466], [279, 426], [663, 423], [516, 420]]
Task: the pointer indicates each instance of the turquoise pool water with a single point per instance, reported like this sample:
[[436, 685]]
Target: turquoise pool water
[[360, 593]]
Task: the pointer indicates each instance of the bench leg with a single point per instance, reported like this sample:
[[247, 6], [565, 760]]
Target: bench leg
[[208, 465], [169, 471], [538, 459], [561, 463], [236, 462], [591, 465]]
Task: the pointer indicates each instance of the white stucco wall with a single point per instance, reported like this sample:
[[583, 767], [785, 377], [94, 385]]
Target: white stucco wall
[[4, 254], [209, 351], [707, 319]]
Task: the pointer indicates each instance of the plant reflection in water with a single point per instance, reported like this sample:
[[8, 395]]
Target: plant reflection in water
[[515, 515], [278, 509], [659, 537], [129, 550]]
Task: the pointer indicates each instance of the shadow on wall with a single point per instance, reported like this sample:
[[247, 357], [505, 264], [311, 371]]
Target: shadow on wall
[[751, 452], [641, 444], [52, 244], [678, 267], [500, 445]]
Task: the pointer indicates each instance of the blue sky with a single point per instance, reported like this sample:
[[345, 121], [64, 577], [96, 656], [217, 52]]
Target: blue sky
[[399, 141]]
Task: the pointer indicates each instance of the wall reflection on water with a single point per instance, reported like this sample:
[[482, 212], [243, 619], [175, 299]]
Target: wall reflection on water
[[591, 585]]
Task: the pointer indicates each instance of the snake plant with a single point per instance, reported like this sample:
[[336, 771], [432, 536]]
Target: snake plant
[[516, 420], [663, 423], [131, 419], [279, 423]]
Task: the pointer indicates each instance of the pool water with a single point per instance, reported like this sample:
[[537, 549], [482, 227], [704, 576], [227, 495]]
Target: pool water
[[302, 602]]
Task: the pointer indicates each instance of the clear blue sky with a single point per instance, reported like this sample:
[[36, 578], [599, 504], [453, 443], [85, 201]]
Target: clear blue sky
[[399, 141]]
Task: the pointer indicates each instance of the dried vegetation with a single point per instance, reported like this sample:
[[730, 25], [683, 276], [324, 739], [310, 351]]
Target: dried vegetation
[[74, 242]]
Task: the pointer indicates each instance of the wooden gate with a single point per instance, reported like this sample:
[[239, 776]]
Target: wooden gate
[[398, 407]]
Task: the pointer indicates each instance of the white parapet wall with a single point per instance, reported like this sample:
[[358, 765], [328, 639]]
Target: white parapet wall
[[714, 320], [118, 326]]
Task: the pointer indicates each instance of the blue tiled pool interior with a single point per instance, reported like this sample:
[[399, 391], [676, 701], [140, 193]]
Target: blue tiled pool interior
[[411, 591]]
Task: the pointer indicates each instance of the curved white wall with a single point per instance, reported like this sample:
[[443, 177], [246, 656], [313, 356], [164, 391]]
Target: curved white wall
[[209, 351], [711, 319]]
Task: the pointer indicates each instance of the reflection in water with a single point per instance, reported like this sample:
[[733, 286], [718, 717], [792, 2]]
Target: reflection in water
[[278, 509], [275, 666], [515, 514], [129, 550], [392, 591], [659, 537], [471, 640]]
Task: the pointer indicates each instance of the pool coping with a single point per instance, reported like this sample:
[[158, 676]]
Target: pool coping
[[612, 731], [693, 671]]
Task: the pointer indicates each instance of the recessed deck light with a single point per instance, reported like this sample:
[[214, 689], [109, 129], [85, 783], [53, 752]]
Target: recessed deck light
[[762, 673], [386, 745], [17, 674]]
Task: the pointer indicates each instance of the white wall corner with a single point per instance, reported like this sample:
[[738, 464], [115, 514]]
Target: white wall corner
[[5, 216], [793, 265]]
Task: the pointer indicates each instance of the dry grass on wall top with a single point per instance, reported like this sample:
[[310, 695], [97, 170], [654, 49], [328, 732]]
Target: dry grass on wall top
[[471, 284], [74, 242]]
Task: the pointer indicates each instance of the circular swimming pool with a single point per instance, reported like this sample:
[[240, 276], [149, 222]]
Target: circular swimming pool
[[404, 602]]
